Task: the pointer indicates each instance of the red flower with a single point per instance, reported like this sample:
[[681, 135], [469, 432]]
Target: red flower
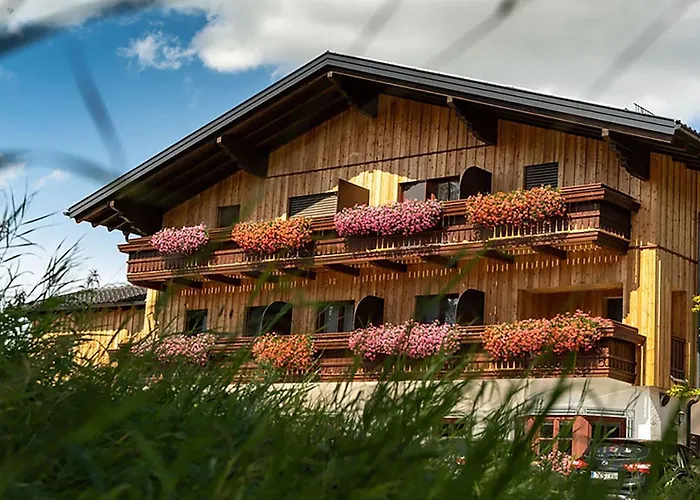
[[270, 237], [291, 353], [519, 208]]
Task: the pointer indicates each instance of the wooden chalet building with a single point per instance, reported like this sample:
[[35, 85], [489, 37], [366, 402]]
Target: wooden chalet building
[[342, 130]]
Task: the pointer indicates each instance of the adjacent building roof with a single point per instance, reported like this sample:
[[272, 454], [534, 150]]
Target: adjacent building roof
[[105, 297], [242, 138]]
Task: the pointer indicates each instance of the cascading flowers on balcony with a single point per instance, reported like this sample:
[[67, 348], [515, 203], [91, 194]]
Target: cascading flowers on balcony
[[404, 218], [519, 208], [577, 332], [273, 236], [290, 353], [410, 339], [184, 241], [193, 349]]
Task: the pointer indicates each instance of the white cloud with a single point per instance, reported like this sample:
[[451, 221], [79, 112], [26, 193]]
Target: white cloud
[[52, 177], [157, 50], [558, 45], [10, 172], [6, 73]]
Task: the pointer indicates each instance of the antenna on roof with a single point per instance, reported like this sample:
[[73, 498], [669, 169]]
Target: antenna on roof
[[643, 110]]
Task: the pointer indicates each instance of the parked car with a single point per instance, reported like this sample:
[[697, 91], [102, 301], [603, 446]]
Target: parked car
[[630, 465]]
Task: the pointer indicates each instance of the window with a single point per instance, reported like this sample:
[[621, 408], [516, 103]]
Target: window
[[228, 215], [613, 308], [606, 429], [444, 189], [442, 308], [555, 434], [196, 321], [335, 317], [546, 174], [313, 205], [253, 320]]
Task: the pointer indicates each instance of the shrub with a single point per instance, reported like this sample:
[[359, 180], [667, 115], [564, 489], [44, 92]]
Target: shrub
[[291, 353], [519, 208], [404, 218], [270, 237], [190, 348], [183, 241], [411, 339], [531, 337]]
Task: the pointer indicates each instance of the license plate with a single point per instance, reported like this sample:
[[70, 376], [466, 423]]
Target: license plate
[[606, 476]]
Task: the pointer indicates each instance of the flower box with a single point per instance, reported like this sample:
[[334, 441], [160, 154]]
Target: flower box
[[180, 242], [272, 237], [410, 339], [400, 218], [517, 209], [193, 349], [289, 353], [565, 333]]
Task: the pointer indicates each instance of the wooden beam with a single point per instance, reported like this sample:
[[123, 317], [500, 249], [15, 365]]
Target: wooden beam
[[361, 96], [342, 268], [499, 256], [152, 285], [551, 250], [223, 279], [481, 122], [299, 273], [390, 265], [440, 260], [248, 158], [258, 275], [187, 283], [143, 219], [634, 156]]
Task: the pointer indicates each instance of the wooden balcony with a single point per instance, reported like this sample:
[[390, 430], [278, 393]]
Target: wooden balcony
[[596, 215], [618, 356]]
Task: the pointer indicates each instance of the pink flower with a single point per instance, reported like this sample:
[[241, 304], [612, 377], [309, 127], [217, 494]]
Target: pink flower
[[183, 241], [404, 218], [191, 348], [411, 339]]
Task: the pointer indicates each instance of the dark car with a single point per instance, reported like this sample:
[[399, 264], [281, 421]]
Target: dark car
[[630, 465]]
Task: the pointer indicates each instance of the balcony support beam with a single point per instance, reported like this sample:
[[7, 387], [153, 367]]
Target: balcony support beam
[[152, 285], [223, 279], [343, 269], [551, 250], [187, 283], [498, 256], [261, 276], [440, 260], [299, 273], [390, 265]]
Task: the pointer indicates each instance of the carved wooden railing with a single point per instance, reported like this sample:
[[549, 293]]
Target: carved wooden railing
[[596, 214], [617, 356]]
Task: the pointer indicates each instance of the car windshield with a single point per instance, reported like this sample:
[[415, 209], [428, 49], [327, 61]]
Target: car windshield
[[620, 451]]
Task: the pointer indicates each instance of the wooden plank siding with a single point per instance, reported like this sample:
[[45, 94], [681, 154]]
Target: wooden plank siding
[[412, 141]]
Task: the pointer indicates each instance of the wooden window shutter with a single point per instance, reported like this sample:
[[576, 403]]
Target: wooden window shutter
[[546, 174], [313, 205]]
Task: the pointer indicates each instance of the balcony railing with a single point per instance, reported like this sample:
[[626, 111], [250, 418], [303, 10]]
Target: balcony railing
[[596, 214], [617, 356]]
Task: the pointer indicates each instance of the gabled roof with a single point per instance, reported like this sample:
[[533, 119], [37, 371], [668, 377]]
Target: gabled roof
[[242, 138]]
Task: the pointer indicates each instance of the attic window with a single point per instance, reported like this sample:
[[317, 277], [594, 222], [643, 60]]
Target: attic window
[[545, 174], [228, 215], [313, 205]]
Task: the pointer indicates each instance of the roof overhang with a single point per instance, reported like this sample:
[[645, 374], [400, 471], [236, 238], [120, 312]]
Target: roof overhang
[[242, 139]]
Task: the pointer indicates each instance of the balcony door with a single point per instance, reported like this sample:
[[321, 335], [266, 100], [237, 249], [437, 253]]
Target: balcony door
[[369, 311], [277, 318], [474, 180]]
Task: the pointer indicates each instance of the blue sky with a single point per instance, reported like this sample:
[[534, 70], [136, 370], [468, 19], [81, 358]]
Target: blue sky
[[151, 109], [168, 71]]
